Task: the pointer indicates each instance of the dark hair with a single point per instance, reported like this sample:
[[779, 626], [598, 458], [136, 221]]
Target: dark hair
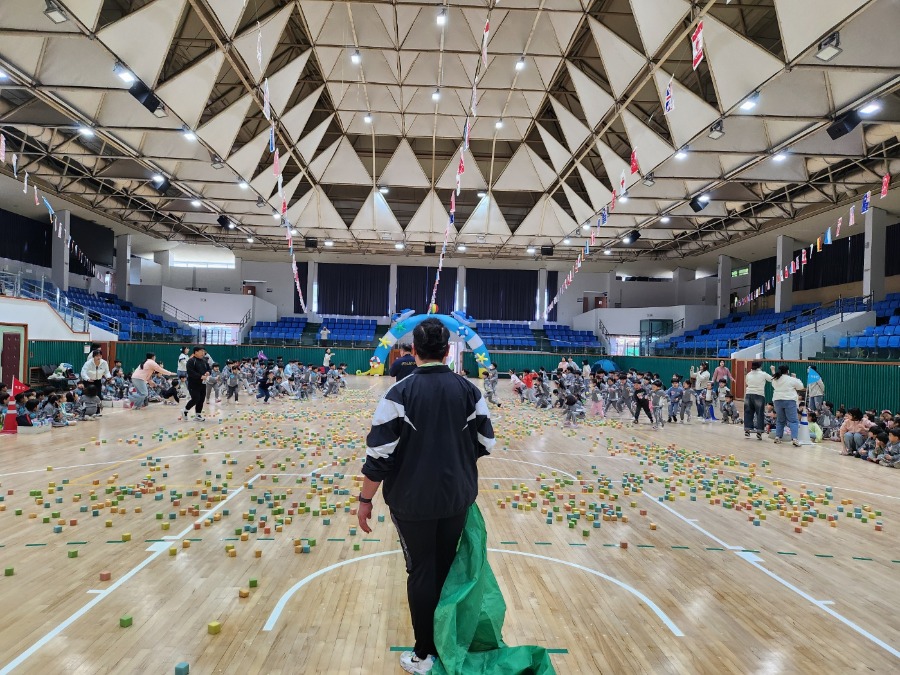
[[756, 365], [96, 352], [4, 397], [405, 347], [731, 396], [875, 430], [432, 339], [883, 437], [782, 370], [150, 355], [198, 349], [855, 413], [90, 390], [31, 404], [894, 432]]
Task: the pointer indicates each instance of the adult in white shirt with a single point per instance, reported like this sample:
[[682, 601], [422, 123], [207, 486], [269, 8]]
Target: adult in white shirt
[[586, 369], [140, 378], [95, 370], [755, 400], [326, 360], [324, 333], [183, 357], [701, 379], [785, 399]]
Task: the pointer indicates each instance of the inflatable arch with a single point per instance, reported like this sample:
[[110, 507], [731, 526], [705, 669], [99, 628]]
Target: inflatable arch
[[406, 321]]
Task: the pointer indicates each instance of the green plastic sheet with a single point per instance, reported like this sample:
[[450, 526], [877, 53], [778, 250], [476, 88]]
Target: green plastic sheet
[[469, 618]]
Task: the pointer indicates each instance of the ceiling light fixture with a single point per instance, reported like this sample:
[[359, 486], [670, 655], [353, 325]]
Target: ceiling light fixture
[[231, 225], [124, 74], [244, 185], [586, 227], [160, 111], [188, 134], [498, 124], [157, 178], [442, 17], [868, 109], [355, 57], [751, 101], [399, 246], [461, 248], [682, 153], [530, 250], [3, 75], [217, 162], [567, 241], [86, 131], [607, 252], [665, 220], [520, 64], [780, 157], [249, 240], [196, 203], [717, 130], [383, 189], [482, 194], [260, 202], [436, 95], [368, 118], [54, 12], [329, 243], [631, 237], [829, 47], [649, 180], [623, 197], [294, 231], [276, 215], [704, 198]]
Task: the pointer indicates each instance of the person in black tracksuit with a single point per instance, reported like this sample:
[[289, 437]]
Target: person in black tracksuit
[[197, 372], [427, 434], [404, 365], [641, 402]]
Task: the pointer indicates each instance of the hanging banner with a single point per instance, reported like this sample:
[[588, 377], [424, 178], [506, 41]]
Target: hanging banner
[[697, 45]]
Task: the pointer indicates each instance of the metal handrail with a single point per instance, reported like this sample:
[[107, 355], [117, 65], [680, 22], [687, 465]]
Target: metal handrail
[[178, 314]]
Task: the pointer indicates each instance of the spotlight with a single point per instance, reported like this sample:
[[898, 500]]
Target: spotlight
[[780, 157], [276, 215], [442, 17], [520, 64], [244, 185], [623, 197], [223, 221], [868, 109], [586, 227], [158, 178], [368, 118], [697, 205], [249, 240], [188, 134], [844, 124], [682, 153], [498, 124], [665, 220], [630, 238], [3, 75], [607, 252], [160, 111], [829, 47], [461, 248], [751, 101], [54, 12], [482, 194], [383, 189], [217, 162], [231, 225], [329, 243], [717, 130], [704, 198], [196, 203], [399, 246], [294, 231], [124, 74], [530, 250], [567, 241], [162, 186], [649, 180], [355, 57], [436, 95], [86, 131], [260, 203]]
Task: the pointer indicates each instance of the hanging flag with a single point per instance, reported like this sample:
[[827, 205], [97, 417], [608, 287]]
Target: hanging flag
[[865, 203], [276, 164], [852, 216], [259, 50], [838, 232], [828, 236], [474, 99], [452, 202], [811, 250], [622, 183], [797, 264], [885, 184], [819, 245], [793, 269], [634, 162], [15, 165], [593, 235], [460, 170], [803, 257], [36, 202], [267, 104], [49, 208], [604, 216], [272, 138], [587, 249], [2, 148], [466, 134], [780, 277], [612, 204], [484, 40], [786, 272], [25, 189], [697, 45], [669, 104]]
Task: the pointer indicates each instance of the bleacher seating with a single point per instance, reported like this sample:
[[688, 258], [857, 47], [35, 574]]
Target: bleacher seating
[[498, 335], [286, 329], [564, 336], [881, 340], [111, 313], [741, 330], [345, 329]]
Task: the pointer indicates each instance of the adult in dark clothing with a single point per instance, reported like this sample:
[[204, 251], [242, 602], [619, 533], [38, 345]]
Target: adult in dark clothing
[[641, 402], [404, 365], [427, 434], [197, 374]]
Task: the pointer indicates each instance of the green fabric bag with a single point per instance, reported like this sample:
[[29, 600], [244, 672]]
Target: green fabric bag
[[468, 621]]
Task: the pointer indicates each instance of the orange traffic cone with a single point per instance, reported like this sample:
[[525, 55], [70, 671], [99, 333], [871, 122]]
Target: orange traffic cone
[[10, 426]]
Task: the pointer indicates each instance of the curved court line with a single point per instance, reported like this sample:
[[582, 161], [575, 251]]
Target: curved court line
[[543, 466], [282, 602]]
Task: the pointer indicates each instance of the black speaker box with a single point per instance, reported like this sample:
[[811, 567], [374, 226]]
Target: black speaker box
[[311, 243], [546, 250]]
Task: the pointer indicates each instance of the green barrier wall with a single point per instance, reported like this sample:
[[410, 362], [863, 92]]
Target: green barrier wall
[[51, 352], [520, 361]]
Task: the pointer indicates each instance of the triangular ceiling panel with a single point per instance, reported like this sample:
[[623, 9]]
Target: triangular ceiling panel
[[155, 23], [288, 190], [656, 20], [804, 22], [308, 145], [691, 114], [564, 25], [620, 60], [546, 219], [582, 212], [221, 130], [23, 51], [573, 129], [295, 212], [597, 191], [486, 220], [294, 120], [594, 100], [86, 11], [245, 160], [316, 13], [520, 173], [229, 13], [188, 92], [375, 217], [404, 169], [271, 30], [651, 149], [345, 167], [472, 179], [320, 214], [559, 156], [282, 83], [430, 218], [265, 182], [737, 65], [613, 164]]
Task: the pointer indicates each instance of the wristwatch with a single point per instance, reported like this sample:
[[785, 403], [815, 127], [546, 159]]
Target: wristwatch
[[363, 500]]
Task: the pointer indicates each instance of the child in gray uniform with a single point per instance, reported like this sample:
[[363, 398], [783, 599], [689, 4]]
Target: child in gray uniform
[[660, 402], [214, 383], [688, 402], [490, 392]]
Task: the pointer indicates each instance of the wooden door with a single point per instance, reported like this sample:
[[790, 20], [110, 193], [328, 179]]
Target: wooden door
[[10, 361]]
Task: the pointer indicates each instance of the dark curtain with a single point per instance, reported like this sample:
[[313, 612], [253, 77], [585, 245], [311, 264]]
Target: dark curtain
[[762, 271], [892, 249], [25, 240], [97, 242], [358, 290], [838, 263], [302, 272], [415, 285], [552, 287], [501, 295]]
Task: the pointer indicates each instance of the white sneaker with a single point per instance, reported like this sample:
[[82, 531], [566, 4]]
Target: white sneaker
[[412, 664], [184, 415], [199, 418]]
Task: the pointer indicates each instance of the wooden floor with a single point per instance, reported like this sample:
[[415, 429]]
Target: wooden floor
[[706, 591]]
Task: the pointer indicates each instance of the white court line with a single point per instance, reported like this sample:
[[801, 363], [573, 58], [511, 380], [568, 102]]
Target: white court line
[[754, 560], [282, 602], [157, 550], [543, 466]]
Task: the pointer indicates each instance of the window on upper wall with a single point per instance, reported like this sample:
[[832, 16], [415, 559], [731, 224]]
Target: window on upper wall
[[203, 265], [740, 272]]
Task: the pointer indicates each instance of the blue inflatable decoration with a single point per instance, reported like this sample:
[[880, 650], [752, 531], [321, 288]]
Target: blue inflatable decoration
[[407, 320]]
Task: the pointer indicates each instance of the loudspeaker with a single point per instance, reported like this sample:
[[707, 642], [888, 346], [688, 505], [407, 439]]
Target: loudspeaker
[[311, 243], [696, 205], [430, 248], [144, 96], [222, 221], [546, 250], [844, 124]]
